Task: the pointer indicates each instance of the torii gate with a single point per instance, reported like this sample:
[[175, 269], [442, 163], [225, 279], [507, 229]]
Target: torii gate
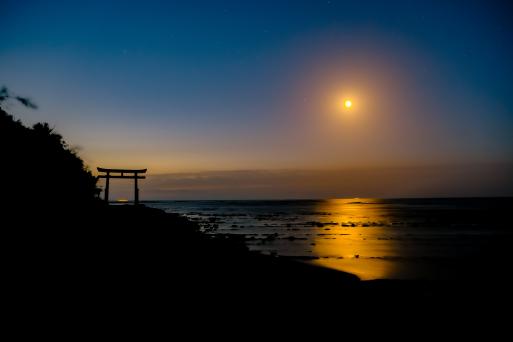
[[120, 173]]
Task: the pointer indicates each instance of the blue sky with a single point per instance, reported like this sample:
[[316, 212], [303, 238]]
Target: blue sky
[[202, 86]]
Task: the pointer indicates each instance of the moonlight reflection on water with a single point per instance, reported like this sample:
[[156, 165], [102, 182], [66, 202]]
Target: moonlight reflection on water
[[371, 238]]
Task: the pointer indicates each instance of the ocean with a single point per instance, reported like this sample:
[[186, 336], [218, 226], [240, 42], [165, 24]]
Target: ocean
[[372, 238]]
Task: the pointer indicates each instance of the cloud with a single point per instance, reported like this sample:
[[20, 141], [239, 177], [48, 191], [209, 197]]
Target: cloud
[[432, 181]]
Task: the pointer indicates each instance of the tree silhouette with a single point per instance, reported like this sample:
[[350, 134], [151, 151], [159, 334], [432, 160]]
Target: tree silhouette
[[38, 165]]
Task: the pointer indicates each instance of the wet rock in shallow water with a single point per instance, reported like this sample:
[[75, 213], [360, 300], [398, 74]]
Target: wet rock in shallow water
[[270, 237], [293, 238], [315, 224], [305, 257]]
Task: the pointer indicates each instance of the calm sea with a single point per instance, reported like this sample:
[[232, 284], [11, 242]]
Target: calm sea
[[372, 238]]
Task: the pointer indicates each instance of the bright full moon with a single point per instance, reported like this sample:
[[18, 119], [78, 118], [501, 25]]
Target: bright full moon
[[348, 103]]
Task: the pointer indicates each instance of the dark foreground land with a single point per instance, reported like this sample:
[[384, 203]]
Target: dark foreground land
[[124, 261]]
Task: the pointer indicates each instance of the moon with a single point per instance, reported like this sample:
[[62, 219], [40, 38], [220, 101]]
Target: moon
[[348, 104]]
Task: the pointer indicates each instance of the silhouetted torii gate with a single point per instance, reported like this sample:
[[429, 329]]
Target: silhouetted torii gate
[[120, 173]]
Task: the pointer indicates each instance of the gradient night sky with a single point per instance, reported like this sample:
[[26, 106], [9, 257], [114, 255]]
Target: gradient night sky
[[240, 99]]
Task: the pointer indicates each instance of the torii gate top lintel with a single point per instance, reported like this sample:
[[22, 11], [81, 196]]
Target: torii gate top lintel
[[120, 173], [102, 169]]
